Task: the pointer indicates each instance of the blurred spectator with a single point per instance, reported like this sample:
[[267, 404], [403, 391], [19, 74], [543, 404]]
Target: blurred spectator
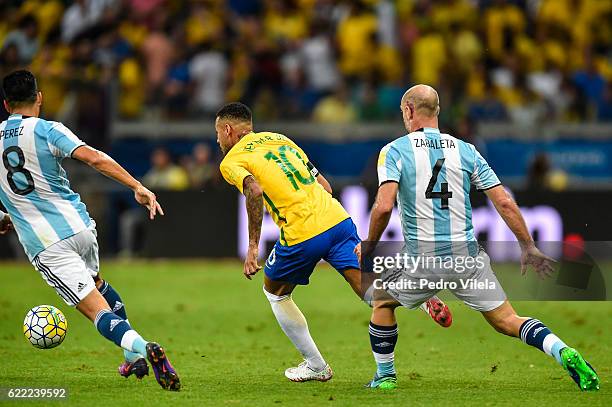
[[428, 56], [201, 170], [318, 60], [165, 175], [354, 35], [541, 176], [590, 81], [604, 110], [76, 19], [24, 39], [208, 70], [175, 58], [537, 176], [529, 110], [484, 106], [370, 108], [158, 52], [176, 88], [335, 108], [284, 21]]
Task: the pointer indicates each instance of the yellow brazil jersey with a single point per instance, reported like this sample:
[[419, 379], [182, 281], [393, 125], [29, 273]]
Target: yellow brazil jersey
[[299, 205]]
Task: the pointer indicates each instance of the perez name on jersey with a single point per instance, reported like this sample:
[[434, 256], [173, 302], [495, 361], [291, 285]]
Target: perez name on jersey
[[7, 134]]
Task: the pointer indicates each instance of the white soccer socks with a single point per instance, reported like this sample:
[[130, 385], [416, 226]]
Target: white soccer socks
[[294, 325]]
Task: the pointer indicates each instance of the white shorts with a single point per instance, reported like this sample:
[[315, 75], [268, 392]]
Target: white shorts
[[483, 292], [70, 265]]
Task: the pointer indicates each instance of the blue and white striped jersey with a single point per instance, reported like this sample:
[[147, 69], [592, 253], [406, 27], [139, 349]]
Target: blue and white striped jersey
[[34, 188], [435, 173]]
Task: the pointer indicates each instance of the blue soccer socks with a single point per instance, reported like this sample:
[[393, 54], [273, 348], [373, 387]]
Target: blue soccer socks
[[536, 334], [383, 340], [116, 329]]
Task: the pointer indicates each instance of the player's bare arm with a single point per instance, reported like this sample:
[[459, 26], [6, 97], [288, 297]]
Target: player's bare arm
[[254, 206], [324, 183], [6, 225], [106, 165], [511, 214], [381, 213]]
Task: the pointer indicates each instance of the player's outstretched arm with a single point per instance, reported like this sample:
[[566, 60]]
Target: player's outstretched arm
[[325, 183], [511, 214], [104, 164], [381, 213], [254, 205]]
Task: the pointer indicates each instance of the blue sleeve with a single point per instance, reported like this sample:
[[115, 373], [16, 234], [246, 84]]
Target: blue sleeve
[[389, 165], [483, 176], [62, 141]]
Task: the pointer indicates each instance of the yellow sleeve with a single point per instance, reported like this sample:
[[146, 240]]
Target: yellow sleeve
[[234, 173]]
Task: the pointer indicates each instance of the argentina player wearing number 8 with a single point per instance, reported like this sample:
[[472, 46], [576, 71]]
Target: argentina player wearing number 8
[[54, 227], [271, 170], [430, 175]]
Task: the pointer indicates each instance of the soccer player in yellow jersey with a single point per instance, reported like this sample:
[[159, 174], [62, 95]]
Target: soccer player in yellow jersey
[[272, 171]]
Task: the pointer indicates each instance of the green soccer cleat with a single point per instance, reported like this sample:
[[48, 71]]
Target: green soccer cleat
[[383, 383], [579, 370]]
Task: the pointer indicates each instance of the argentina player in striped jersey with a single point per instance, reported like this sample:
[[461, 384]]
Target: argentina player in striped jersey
[[53, 225], [430, 175]]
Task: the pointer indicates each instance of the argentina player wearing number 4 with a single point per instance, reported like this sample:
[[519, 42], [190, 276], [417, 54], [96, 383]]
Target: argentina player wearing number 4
[[271, 170], [430, 174], [54, 227]]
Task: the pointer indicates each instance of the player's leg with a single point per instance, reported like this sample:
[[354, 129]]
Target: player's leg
[[498, 312], [119, 331], [294, 325], [382, 329], [286, 267], [534, 333], [134, 363], [383, 333], [63, 267]]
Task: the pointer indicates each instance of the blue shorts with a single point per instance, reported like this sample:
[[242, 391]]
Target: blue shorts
[[294, 264]]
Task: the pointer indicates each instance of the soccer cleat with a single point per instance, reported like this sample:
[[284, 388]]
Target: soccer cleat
[[383, 383], [579, 370], [139, 368], [438, 311], [164, 372], [302, 373]]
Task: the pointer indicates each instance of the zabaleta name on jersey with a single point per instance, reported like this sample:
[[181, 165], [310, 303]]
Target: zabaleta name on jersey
[[435, 144]]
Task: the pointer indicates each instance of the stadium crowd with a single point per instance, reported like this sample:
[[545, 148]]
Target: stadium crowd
[[330, 61]]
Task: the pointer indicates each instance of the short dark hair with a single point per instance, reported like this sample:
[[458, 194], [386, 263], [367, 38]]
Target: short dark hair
[[235, 111], [20, 88]]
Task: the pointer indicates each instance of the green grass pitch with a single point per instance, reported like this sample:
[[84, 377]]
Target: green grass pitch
[[222, 337]]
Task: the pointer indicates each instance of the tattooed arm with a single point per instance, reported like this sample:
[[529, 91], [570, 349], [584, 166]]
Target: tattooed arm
[[254, 204]]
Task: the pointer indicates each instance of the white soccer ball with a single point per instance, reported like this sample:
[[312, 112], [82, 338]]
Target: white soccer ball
[[45, 326]]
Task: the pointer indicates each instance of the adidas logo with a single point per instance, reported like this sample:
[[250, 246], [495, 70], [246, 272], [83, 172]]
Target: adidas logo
[[118, 306], [81, 286], [114, 323], [383, 344], [535, 332]]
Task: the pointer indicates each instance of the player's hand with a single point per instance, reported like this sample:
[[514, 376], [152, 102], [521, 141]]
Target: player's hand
[[357, 251], [250, 263], [148, 199], [542, 264], [6, 224]]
